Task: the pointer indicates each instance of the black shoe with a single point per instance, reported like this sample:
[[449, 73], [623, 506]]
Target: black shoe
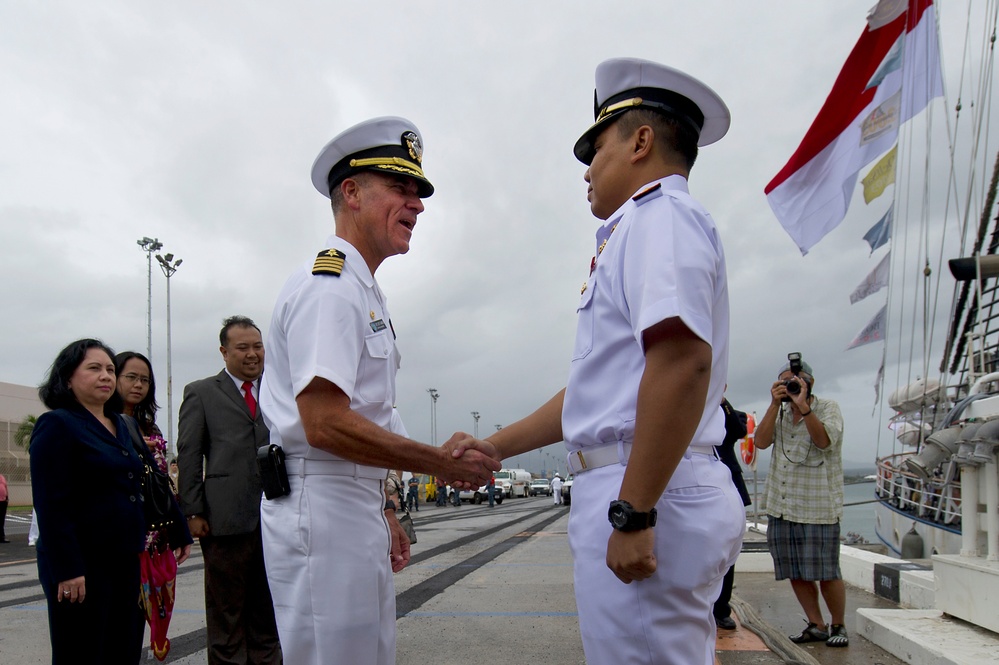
[[838, 636], [726, 623], [810, 634]]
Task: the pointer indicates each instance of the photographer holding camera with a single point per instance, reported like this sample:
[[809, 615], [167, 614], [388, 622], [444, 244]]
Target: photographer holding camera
[[804, 497]]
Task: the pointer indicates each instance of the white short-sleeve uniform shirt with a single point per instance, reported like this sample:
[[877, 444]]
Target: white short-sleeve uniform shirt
[[335, 328], [659, 256]]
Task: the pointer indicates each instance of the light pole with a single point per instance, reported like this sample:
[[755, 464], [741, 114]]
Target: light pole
[[169, 267], [475, 417], [149, 245], [433, 414]]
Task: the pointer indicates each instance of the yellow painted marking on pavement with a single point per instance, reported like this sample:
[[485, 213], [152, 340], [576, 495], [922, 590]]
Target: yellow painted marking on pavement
[[14, 563]]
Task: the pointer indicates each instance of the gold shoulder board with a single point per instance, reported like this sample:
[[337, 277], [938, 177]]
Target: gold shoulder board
[[329, 262]]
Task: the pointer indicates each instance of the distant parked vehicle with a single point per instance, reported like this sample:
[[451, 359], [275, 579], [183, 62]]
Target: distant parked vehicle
[[480, 495], [541, 487], [430, 489], [515, 482], [567, 491]]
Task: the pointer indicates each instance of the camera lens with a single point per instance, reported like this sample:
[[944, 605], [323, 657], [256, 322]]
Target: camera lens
[[792, 387]]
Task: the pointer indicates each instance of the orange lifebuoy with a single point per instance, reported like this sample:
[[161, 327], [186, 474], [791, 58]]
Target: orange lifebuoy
[[747, 444]]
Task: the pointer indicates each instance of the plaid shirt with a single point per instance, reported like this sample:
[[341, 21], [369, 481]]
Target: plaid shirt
[[805, 482]]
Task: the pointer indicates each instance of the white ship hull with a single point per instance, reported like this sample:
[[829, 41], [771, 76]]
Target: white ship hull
[[891, 524]]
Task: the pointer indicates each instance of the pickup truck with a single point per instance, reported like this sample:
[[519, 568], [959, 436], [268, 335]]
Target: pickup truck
[[481, 495], [541, 487]]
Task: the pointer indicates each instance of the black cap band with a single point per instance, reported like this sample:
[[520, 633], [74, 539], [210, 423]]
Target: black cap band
[[664, 101]]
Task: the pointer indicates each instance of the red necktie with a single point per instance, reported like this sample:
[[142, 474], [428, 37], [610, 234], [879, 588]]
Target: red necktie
[[248, 396]]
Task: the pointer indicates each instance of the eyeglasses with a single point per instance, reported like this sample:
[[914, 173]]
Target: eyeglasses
[[144, 380]]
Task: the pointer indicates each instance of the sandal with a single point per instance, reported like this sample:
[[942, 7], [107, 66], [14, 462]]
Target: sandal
[[837, 636], [811, 634]]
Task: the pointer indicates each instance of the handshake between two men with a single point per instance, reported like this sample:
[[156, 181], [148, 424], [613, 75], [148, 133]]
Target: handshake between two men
[[468, 454], [474, 460]]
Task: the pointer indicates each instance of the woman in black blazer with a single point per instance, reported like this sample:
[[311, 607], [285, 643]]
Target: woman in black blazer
[[86, 485]]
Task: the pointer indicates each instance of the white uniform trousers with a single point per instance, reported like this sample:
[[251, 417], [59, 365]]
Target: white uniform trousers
[[326, 549], [666, 619]]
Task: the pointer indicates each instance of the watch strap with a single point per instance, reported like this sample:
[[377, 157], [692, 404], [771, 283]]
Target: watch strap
[[632, 519]]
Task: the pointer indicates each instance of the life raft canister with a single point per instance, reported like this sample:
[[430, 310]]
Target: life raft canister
[[747, 444]]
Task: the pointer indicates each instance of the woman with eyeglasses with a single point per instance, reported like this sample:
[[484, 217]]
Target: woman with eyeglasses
[[137, 389]]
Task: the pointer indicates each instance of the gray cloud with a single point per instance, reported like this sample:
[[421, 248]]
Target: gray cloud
[[197, 123]]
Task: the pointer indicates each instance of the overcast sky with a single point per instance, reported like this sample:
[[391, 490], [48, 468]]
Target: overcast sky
[[197, 123]]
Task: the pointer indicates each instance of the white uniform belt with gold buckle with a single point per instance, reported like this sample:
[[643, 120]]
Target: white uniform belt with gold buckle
[[300, 466], [595, 457]]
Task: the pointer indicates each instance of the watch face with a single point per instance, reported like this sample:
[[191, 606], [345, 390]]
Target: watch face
[[618, 518]]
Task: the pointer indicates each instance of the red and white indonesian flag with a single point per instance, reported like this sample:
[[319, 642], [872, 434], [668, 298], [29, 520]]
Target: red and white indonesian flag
[[891, 75]]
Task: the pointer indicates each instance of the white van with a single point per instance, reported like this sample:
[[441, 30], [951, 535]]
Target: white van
[[513, 482]]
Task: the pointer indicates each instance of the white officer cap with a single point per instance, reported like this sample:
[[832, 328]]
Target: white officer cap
[[627, 83], [387, 145]]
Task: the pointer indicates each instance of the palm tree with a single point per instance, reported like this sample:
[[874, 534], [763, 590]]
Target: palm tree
[[22, 436]]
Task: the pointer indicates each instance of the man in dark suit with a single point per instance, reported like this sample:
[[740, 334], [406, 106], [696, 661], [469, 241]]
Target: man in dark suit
[[735, 429], [219, 432]]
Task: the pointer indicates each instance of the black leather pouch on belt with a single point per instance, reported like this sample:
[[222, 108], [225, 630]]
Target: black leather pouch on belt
[[273, 474]]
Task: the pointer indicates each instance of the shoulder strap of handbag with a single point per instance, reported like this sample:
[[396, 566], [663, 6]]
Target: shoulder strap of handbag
[[133, 429]]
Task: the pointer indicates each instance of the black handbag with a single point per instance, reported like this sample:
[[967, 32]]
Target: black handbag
[[157, 487], [406, 521]]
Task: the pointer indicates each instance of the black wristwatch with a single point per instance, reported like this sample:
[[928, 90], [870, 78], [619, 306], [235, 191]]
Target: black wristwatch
[[624, 517], [390, 504]]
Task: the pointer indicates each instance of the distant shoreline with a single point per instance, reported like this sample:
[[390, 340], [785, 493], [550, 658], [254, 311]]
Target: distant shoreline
[[847, 480]]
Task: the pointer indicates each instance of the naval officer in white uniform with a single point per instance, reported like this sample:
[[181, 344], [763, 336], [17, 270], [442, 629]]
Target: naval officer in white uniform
[[331, 545], [655, 519]]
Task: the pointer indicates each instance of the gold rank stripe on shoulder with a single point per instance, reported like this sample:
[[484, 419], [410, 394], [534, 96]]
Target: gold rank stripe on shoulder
[[637, 198], [329, 262]]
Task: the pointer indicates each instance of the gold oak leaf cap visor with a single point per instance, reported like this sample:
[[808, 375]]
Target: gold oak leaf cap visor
[[624, 84], [389, 145]]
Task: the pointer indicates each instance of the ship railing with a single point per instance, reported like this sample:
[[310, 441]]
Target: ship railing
[[937, 499]]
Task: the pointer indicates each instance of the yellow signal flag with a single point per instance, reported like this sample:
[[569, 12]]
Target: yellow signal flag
[[879, 177]]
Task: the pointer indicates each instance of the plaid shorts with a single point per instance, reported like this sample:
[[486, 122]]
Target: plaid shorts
[[803, 551]]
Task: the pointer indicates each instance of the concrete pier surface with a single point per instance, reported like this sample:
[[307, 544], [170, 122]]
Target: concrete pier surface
[[484, 585]]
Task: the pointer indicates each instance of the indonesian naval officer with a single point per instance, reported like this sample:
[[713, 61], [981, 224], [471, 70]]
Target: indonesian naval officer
[[655, 519]]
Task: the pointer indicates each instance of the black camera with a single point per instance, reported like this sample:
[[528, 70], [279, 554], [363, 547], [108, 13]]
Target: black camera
[[791, 386]]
